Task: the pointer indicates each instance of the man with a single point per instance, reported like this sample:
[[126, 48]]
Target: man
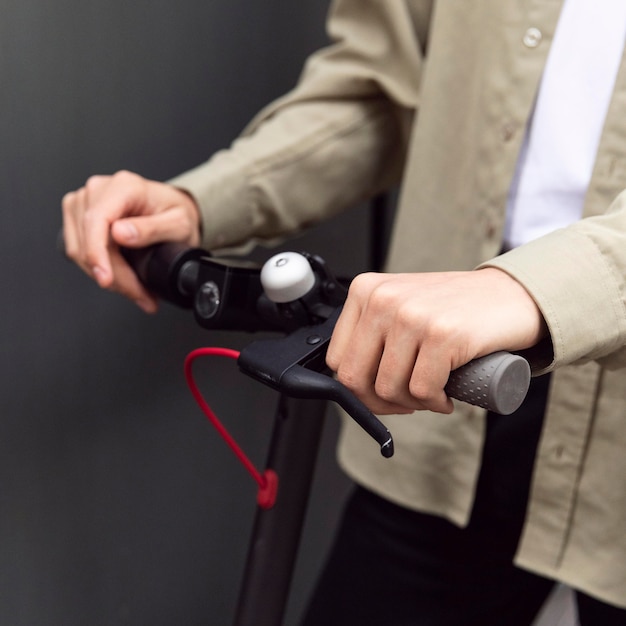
[[498, 146]]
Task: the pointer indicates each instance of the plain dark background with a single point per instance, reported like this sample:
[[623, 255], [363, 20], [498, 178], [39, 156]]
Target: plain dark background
[[118, 503]]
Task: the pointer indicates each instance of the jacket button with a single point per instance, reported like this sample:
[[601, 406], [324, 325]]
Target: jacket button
[[532, 37], [507, 131]]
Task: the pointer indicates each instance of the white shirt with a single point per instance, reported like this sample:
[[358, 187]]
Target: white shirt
[[557, 156]]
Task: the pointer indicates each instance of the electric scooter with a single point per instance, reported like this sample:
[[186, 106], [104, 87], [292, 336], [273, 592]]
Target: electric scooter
[[298, 297]]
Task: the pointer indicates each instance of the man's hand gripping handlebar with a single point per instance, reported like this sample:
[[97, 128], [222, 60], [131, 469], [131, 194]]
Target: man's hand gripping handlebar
[[297, 295]]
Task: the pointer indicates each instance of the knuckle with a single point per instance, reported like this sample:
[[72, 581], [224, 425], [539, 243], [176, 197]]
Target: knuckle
[[68, 200], [383, 297], [350, 380], [332, 360], [408, 316], [361, 284], [443, 327], [126, 178], [125, 175], [378, 299], [386, 390], [420, 391], [94, 183]]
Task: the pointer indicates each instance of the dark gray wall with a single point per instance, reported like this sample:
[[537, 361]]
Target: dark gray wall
[[118, 504]]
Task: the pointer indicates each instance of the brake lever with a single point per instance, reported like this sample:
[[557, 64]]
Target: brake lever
[[295, 366]]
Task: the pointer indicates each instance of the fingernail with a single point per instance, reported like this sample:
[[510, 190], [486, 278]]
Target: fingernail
[[127, 230], [98, 273]]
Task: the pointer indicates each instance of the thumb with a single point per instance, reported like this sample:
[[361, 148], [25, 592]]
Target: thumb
[[180, 223], [126, 233]]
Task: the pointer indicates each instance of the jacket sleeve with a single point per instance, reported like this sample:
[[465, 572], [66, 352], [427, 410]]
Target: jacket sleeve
[[336, 139], [577, 276]]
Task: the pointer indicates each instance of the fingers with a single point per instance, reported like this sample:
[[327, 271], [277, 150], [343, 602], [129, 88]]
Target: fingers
[[393, 346], [87, 216], [355, 352], [124, 210], [376, 353], [128, 285], [392, 377], [175, 224], [94, 262], [415, 364], [104, 200]]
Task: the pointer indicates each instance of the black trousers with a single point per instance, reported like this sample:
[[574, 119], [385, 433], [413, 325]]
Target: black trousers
[[390, 566]]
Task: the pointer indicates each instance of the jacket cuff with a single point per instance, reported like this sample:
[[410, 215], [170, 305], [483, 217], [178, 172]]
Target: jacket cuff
[[575, 290], [219, 188]]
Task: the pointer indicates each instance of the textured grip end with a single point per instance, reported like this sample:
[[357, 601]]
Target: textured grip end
[[497, 382]]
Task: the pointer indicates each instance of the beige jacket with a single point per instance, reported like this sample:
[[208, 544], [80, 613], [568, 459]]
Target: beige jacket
[[437, 93]]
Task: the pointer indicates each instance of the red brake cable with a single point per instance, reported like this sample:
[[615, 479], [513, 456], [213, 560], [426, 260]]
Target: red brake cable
[[268, 480]]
